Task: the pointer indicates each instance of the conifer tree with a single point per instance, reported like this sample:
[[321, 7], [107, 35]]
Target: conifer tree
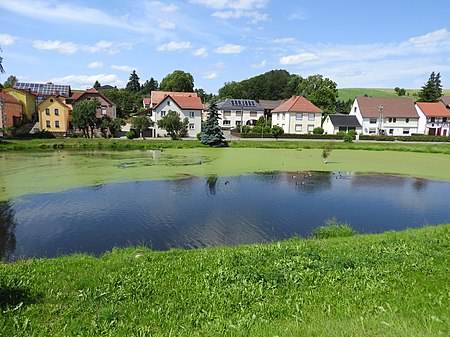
[[133, 84], [432, 90], [212, 134]]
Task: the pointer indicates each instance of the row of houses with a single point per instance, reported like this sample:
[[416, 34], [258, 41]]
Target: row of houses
[[49, 106]]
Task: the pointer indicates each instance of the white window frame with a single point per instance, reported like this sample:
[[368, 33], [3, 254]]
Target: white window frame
[[311, 117], [162, 113], [191, 126], [227, 122], [310, 127], [191, 114], [299, 116], [103, 110], [298, 127]]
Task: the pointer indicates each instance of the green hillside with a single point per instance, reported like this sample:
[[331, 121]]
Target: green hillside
[[350, 93]]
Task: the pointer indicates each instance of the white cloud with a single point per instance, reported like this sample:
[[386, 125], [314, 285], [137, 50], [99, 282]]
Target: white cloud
[[210, 75], [230, 49], [234, 4], [433, 37], [123, 68], [87, 81], [298, 59], [158, 6], [167, 25], [260, 65], [201, 52], [284, 40], [174, 46], [237, 14], [95, 65], [106, 47], [6, 39]]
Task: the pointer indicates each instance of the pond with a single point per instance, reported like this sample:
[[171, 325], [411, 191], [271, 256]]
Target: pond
[[214, 210]]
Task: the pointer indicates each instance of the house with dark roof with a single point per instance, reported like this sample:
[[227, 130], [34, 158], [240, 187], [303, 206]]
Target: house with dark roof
[[269, 105], [297, 115], [106, 106], [341, 123], [186, 106], [237, 112], [386, 116], [434, 118]]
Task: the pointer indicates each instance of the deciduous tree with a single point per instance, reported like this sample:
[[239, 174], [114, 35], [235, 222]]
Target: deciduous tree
[[173, 124], [179, 81], [321, 91], [142, 123], [84, 116]]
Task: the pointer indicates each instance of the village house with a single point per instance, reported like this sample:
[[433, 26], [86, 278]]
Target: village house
[[434, 118], [269, 105], [237, 112], [341, 123], [386, 116], [106, 106], [187, 106], [11, 111], [28, 101], [297, 116], [54, 115]]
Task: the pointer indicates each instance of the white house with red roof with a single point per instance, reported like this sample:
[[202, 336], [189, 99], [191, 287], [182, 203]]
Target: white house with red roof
[[187, 106], [297, 116], [386, 116], [434, 118]]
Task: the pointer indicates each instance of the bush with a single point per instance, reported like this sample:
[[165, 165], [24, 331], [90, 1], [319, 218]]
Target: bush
[[348, 138], [130, 134], [199, 135], [318, 131], [333, 229]]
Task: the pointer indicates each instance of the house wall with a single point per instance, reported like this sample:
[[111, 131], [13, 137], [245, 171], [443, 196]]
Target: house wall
[[12, 114], [328, 127], [28, 100], [63, 116], [195, 121], [422, 121], [233, 118], [105, 109], [297, 122]]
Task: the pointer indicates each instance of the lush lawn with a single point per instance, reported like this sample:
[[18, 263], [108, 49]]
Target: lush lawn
[[392, 284], [350, 93]]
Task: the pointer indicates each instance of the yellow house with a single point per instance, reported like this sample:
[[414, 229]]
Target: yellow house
[[54, 115], [28, 100]]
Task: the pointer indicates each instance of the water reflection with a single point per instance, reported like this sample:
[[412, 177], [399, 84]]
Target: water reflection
[[7, 230], [197, 212]]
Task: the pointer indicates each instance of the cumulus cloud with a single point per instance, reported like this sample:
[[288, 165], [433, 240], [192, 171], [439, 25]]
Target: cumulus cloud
[[105, 47], [230, 49], [201, 52], [6, 39], [210, 75], [95, 65], [174, 46], [123, 68], [260, 65], [298, 59], [87, 81]]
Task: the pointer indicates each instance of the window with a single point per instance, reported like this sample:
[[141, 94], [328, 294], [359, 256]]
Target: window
[[227, 122], [298, 128], [227, 113], [444, 119], [191, 114], [56, 124], [163, 113], [299, 116], [51, 100], [56, 112], [47, 124], [168, 102], [372, 120], [238, 113], [432, 119], [238, 123], [354, 109], [310, 127], [311, 117], [392, 120], [253, 113], [191, 126], [283, 115], [391, 131], [103, 110], [407, 120], [406, 131], [47, 111]]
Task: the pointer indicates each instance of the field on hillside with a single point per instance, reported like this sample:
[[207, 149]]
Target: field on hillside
[[350, 93]]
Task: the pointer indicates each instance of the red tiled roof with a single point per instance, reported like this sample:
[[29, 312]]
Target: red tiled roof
[[297, 104], [76, 95], [158, 96], [434, 109], [7, 98], [392, 107], [147, 100], [186, 102]]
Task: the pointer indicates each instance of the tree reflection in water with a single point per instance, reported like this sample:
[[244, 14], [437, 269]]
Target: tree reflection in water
[[211, 181], [8, 226]]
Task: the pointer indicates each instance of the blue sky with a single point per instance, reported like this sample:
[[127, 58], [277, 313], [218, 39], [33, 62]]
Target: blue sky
[[355, 43]]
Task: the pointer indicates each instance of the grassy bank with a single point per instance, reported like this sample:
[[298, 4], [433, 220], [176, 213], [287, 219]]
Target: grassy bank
[[391, 284], [155, 144]]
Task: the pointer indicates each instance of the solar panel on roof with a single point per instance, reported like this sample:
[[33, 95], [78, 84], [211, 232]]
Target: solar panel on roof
[[44, 89]]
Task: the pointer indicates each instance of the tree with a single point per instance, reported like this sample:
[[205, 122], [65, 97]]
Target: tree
[[326, 152], [10, 81], [127, 102], [205, 97], [277, 131], [133, 83], [172, 123], [400, 91], [109, 126], [432, 90], [97, 85], [149, 86], [2, 70], [84, 117], [141, 123], [179, 81], [212, 134], [321, 91]]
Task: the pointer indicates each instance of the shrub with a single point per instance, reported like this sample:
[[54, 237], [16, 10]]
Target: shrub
[[333, 229], [348, 138], [318, 131], [130, 134], [199, 135]]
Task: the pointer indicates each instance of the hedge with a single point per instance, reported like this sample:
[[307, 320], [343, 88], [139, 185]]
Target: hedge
[[412, 138]]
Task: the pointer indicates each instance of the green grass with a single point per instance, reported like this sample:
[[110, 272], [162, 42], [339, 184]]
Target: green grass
[[350, 93], [391, 284]]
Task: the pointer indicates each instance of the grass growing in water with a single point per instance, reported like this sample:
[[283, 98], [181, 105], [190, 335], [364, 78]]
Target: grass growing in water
[[391, 284], [333, 229]]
